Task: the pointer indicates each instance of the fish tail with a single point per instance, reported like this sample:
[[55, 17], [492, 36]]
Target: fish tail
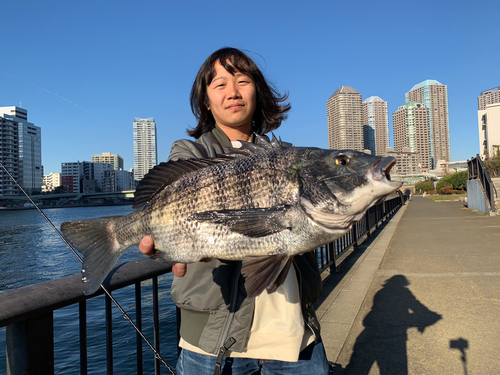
[[96, 240]]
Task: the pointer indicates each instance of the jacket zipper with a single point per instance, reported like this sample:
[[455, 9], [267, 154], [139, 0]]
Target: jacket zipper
[[226, 342]]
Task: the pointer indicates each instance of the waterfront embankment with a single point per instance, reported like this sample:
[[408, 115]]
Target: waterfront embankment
[[422, 298]]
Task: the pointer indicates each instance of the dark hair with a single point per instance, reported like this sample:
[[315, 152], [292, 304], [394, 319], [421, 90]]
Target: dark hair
[[269, 112]]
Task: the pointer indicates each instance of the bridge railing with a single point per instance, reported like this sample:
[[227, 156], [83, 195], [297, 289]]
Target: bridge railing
[[477, 170], [27, 312]]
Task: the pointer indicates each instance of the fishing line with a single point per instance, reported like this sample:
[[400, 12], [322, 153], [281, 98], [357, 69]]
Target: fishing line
[[124, 313], [50, 92]]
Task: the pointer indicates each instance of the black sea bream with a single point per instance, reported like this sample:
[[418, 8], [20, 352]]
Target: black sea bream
[[262, 206]]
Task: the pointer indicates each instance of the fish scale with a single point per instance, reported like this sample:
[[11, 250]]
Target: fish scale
[[261, 207]]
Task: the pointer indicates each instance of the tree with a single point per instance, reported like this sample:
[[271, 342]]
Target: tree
[[423, 186], [458, 181]]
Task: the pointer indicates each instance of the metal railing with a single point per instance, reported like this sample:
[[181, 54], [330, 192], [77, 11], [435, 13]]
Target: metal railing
[[331, 255], [477, 170], [27, 312]]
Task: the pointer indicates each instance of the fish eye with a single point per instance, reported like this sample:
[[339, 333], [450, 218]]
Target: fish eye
[[342, 160]]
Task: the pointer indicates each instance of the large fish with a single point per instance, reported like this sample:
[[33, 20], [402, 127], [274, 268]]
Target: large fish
[[262, 205]]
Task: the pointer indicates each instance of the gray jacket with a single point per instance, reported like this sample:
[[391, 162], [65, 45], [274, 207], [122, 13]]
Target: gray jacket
[[211, 296]]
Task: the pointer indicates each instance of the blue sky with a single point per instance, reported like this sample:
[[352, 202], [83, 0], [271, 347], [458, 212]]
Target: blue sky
[[85, 69]]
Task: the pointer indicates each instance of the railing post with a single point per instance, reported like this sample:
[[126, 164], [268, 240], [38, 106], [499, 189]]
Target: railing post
[[331, 251], [355, 235], [30, 346]]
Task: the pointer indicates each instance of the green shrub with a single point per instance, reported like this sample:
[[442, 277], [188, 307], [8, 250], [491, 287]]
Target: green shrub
[[423, 186], [443, 183], [493, 167], [458, 181]]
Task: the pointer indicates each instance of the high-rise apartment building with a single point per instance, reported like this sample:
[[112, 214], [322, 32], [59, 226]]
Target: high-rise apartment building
[[490, 96], [407, 161], [29, 141], [9, 155], [145, 151], [488, 116], [375, 125], [345, 116], [434, 96], [109, 158], [411, 130]]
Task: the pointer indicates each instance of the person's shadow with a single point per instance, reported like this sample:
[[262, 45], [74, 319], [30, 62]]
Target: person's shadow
[[395, 309]]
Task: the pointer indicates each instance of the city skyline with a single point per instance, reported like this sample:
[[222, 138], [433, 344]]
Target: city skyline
[[82, 86]]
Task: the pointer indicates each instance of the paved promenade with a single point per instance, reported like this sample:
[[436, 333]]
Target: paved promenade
[[423, 297]]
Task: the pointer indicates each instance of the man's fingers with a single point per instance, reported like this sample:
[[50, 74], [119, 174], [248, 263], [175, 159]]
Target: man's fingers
[[179, 269], [146, 246]]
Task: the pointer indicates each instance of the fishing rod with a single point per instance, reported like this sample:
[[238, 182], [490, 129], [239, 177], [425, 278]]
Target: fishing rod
[[65, 240]]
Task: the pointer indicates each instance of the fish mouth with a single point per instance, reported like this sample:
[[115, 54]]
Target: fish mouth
[[380, 171]]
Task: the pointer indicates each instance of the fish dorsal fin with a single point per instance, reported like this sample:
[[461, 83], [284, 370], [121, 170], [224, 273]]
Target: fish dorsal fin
[[164, 174], [261, 145]]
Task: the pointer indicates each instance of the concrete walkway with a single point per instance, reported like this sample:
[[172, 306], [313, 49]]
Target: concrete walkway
[[423, 297]]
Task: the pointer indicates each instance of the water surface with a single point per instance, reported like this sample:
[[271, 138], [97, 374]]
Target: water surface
[[32, 252]]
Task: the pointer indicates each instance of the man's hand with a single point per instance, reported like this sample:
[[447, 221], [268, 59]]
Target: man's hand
[[147, 247]]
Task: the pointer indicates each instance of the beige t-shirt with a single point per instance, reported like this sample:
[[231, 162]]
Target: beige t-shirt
[[278, 331]]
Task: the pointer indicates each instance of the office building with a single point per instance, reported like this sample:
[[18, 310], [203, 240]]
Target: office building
[[345, 116], [29, 169], [109, 158], [104, 180], [145, 151], [489, 130], [411, 129], [434, 96], [73, 175], [375, 125], [124, 180], [51, 182]]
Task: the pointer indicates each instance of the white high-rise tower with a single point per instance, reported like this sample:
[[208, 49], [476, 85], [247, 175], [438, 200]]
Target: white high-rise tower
[[145, 150]]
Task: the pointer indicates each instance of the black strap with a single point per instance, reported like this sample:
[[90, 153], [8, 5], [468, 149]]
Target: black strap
[[224, 348]]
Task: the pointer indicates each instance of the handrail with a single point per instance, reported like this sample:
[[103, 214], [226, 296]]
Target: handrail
[[23, 303], [27, 312], [477, 170], [331, 255]]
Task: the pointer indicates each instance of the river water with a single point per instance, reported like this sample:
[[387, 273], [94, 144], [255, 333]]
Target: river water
[[32, 252]]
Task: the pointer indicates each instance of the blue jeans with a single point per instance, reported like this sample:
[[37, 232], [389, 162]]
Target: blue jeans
[[312, 360]]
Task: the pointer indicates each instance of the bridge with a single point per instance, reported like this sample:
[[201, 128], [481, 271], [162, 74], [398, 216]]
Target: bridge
[[67, 199]]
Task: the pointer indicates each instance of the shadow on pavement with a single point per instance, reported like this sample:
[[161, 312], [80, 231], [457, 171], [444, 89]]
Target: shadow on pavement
[[383, 340]]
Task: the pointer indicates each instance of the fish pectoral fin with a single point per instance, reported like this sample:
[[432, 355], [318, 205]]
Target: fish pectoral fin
[[266, 272], [254, 222]]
